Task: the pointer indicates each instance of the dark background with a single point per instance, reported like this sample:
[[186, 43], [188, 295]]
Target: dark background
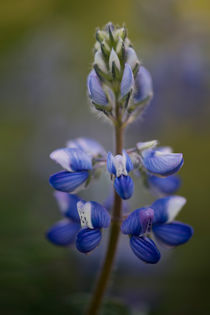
[[45, 56]]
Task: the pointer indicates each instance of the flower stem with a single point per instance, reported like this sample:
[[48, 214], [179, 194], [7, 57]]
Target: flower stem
[[113, 239]]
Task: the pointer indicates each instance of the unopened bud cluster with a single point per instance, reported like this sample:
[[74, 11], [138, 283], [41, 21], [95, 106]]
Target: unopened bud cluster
[[118, 82]]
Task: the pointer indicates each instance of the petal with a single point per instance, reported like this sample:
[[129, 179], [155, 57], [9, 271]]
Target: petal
[[127, 82], [173, 234], [128, 162], [63, 233], [166, 209], [68, 205], [110, 164], [160, 163], [93, 215], [124, 186], [141, 146], [132, 58], [88, 239], [89, 146], [164, 186], [143, 86], [68, 182], [145, 249], [99, 215], [119, 164], [72, 159], [95, 90], [138, 222]]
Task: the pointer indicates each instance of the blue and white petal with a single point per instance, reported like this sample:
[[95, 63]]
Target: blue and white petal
[[173, 234], [72, 159], [138, 222], [164, 185], [161, 163], [68, 205], [127, 82], [93, 215], [143, 86], [88, 239], [89, 146], [145, 249], [124, 186], [69, 182], [166, 209], [119, 164], [63, 233], [95, 89]]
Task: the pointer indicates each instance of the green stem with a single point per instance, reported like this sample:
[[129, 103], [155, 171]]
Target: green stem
[[113, 239]]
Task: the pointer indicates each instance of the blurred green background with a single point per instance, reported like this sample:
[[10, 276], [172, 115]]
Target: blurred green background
[[45, 56]]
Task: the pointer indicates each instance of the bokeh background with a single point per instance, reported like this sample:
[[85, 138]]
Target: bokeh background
[[45, 56]]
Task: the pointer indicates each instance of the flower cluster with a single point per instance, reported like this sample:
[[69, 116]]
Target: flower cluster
[[119, 87]]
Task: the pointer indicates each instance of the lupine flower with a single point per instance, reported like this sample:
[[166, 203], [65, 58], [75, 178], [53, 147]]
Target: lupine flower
[[120, 166], [161, 161], [158, 220], [77, 165], [89, 146], [82, 225]]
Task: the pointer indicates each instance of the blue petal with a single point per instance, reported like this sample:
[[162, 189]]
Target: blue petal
[[89, 146], [129, 164], [173, 234], [166, 209], [68, 205], [164, 186], [127, 80], [72, 159], [124, 186], [143, 86], [138, 222], [88, 239], [110, 164], [68, 182], [63, 233], [145, 249], [160, 163], [95, 90], [99, 215]]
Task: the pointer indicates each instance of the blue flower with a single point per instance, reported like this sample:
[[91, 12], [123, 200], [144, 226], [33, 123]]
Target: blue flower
[[82, 224], [120, 166], [161, 162], [77, 165], [158, 220]]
